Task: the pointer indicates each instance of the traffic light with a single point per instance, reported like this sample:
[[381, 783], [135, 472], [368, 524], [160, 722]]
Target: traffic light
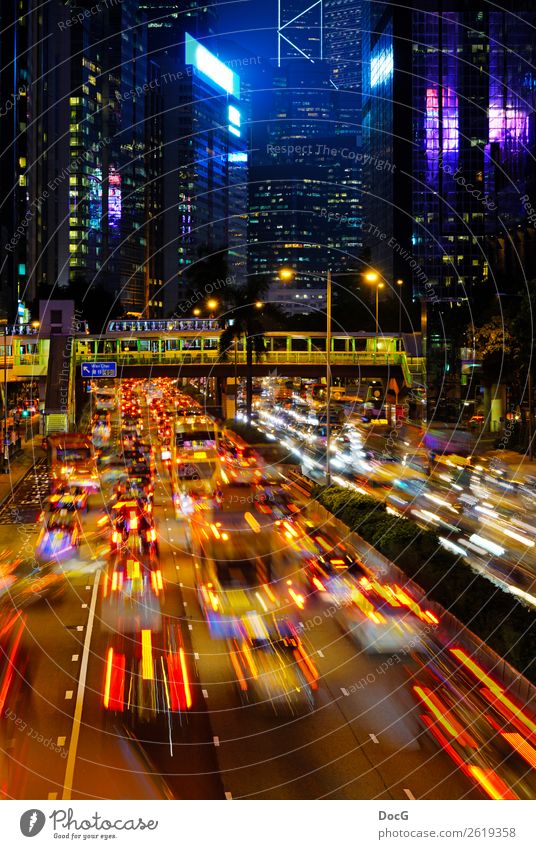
[[25, 414]]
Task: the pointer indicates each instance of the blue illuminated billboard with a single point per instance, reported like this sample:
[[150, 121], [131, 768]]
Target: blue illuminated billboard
[[210, 66]]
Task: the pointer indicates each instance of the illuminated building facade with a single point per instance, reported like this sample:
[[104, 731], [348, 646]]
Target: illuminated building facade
[[473, 94], [124, 177], [305, 186], [212, 162], [14, 92], [387, 128]]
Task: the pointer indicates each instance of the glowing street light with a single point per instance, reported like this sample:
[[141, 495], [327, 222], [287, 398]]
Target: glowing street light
[[286, 274]]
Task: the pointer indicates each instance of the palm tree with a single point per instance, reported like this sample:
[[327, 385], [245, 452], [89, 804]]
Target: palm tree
[[244, 319]]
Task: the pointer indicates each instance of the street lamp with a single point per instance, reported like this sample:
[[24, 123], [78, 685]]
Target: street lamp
[[400, 283], [287, 274], [374, 278], [259, 305], [197, 311], [212, 304]]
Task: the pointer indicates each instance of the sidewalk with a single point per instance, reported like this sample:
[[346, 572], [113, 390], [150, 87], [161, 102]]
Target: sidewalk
[[19, 465]]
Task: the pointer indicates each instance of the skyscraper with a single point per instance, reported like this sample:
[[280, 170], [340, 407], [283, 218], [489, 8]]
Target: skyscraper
[[473, 96], [305, 178], [211, 164], [14, 95]]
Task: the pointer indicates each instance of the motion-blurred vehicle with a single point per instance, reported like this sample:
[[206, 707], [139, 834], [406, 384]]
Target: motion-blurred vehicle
[[68, 498], [132, 523], [60, 536], [272, 667], [28, 582], [493, 758], [383, 618], [131, 591], [71, 462], [147, 676]]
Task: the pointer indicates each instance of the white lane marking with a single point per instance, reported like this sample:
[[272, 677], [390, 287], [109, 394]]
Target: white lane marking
[[320, 653], [74, 657], [181, 584], [190, 627], [61, 741], [408, 793], [205, 694], [79, 627], [69, 694], [216, 741], [73, 746], [228, 795], [84, 605], [344, 691], [374, 738], [196, 655], [52, 796], [185, 603]]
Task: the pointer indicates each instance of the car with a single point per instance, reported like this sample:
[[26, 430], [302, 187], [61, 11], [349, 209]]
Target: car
[[29, 582], [385, 619], [132, 524], [60, 536], [70, 499], [147, 676], [327, 560], [272, 667]]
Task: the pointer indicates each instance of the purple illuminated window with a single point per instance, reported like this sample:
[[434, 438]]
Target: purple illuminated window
[[451, 134], [114, 198]]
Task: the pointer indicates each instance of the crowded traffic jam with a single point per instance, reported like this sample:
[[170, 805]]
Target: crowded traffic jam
[[223, 599]]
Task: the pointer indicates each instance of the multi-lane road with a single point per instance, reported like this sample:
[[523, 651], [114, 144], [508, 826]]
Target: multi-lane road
[[364, 739]]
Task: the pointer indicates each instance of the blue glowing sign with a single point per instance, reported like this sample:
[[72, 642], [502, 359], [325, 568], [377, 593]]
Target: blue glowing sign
[[210, 66], [99, 369], [381, 66]]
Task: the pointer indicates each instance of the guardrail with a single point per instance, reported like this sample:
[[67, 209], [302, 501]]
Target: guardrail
[[269, 358]]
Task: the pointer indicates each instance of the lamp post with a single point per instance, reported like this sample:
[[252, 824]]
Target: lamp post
[[374, 278], [400, 283]]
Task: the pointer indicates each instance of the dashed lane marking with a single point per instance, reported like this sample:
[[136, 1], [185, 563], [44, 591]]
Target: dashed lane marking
[[52, 796], [74, 657], [344, 691], [408, 793], [69, 694], [196, 655], [216, 741], [374, 738], [205, 694], [61, 741], [228, 795]]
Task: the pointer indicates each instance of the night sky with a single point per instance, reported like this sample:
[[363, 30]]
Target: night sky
[[252, 24]]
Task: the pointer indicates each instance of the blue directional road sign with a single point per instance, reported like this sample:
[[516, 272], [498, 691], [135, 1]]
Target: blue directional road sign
[[99, 369]]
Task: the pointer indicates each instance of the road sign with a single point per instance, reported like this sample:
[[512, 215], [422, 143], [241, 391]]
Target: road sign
[[99, 369]]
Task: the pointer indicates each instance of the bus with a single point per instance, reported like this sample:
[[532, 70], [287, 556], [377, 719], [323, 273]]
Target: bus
[[71, 462], [195, 464], [241, 464], [233, 548]]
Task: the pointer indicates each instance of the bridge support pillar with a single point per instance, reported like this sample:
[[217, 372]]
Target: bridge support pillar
[[228, 397]]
